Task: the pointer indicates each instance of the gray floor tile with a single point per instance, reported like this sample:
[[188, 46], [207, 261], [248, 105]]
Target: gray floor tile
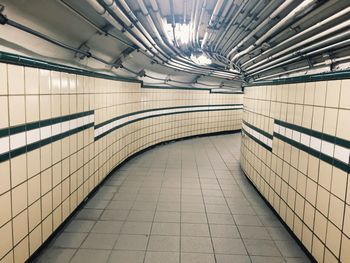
[[69, 240], [189, 217], [247, 220], [120, 205], [164, 243], [221, 258], [196, 244], [193, 207], [289, 248], [142, 228], [197, 258], [169, 217], [166, 229], [223, 219], [192, 195], [215, 208], [89, 214], [55, 255], [107, 227], [261, 247], [136, 215], [162, 257], [229, 231], [96, 204], [195, 230], [91, 256], [265, 259], [229, 246], [254, 232], [168, 206], [132, 242], [82, 226], [115, 215], [99, 241], [126, 257]]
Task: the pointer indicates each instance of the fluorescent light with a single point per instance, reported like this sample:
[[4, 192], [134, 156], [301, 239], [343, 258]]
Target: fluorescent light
[[201, 59]]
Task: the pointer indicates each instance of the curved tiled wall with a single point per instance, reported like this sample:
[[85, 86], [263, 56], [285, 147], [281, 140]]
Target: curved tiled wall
[[61, 134], [295, 149]]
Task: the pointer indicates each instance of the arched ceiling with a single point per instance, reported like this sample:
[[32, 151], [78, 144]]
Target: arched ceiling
[[197, 43]]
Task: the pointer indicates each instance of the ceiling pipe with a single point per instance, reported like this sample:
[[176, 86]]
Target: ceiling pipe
[[302, 33], [102, 11], [232, 41], [304, 70], [204, 5], [222, 18], [233, 19], [239, 28], [270, 18], [100, 31], [300, 10], [211, 23], [134, 27], [332, 30], [299, 53]]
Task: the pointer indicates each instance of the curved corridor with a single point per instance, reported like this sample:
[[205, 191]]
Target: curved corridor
[[185, 202]]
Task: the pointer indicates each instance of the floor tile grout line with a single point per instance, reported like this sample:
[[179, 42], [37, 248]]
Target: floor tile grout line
[[240, 235], [257, 215], [150, 231], [206, 214], [124, 221]]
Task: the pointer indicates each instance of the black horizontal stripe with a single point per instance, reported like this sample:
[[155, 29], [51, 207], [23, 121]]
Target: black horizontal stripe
[[153, 116]]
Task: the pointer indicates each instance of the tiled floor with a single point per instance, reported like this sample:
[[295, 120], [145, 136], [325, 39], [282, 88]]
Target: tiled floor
[[183, 202]]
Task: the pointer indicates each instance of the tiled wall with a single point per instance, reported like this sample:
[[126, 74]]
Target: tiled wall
[[61, 134], [295, 150]]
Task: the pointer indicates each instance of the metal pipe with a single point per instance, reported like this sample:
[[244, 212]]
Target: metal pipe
[[298, 11], [218, 41], [204, 5], [233, 43], [316, 26], [335, 38]]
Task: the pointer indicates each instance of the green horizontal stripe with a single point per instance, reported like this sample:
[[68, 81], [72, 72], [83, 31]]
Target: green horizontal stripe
[[330, 160], [43, 123], [30, 147], [266, 134], [344, 74], [317, 134], [42, 64], [257, 141], [153, 116], [157, 109]]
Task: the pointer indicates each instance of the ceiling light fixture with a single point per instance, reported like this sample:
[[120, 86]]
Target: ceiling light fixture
[[201, 59], [182, 33]]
